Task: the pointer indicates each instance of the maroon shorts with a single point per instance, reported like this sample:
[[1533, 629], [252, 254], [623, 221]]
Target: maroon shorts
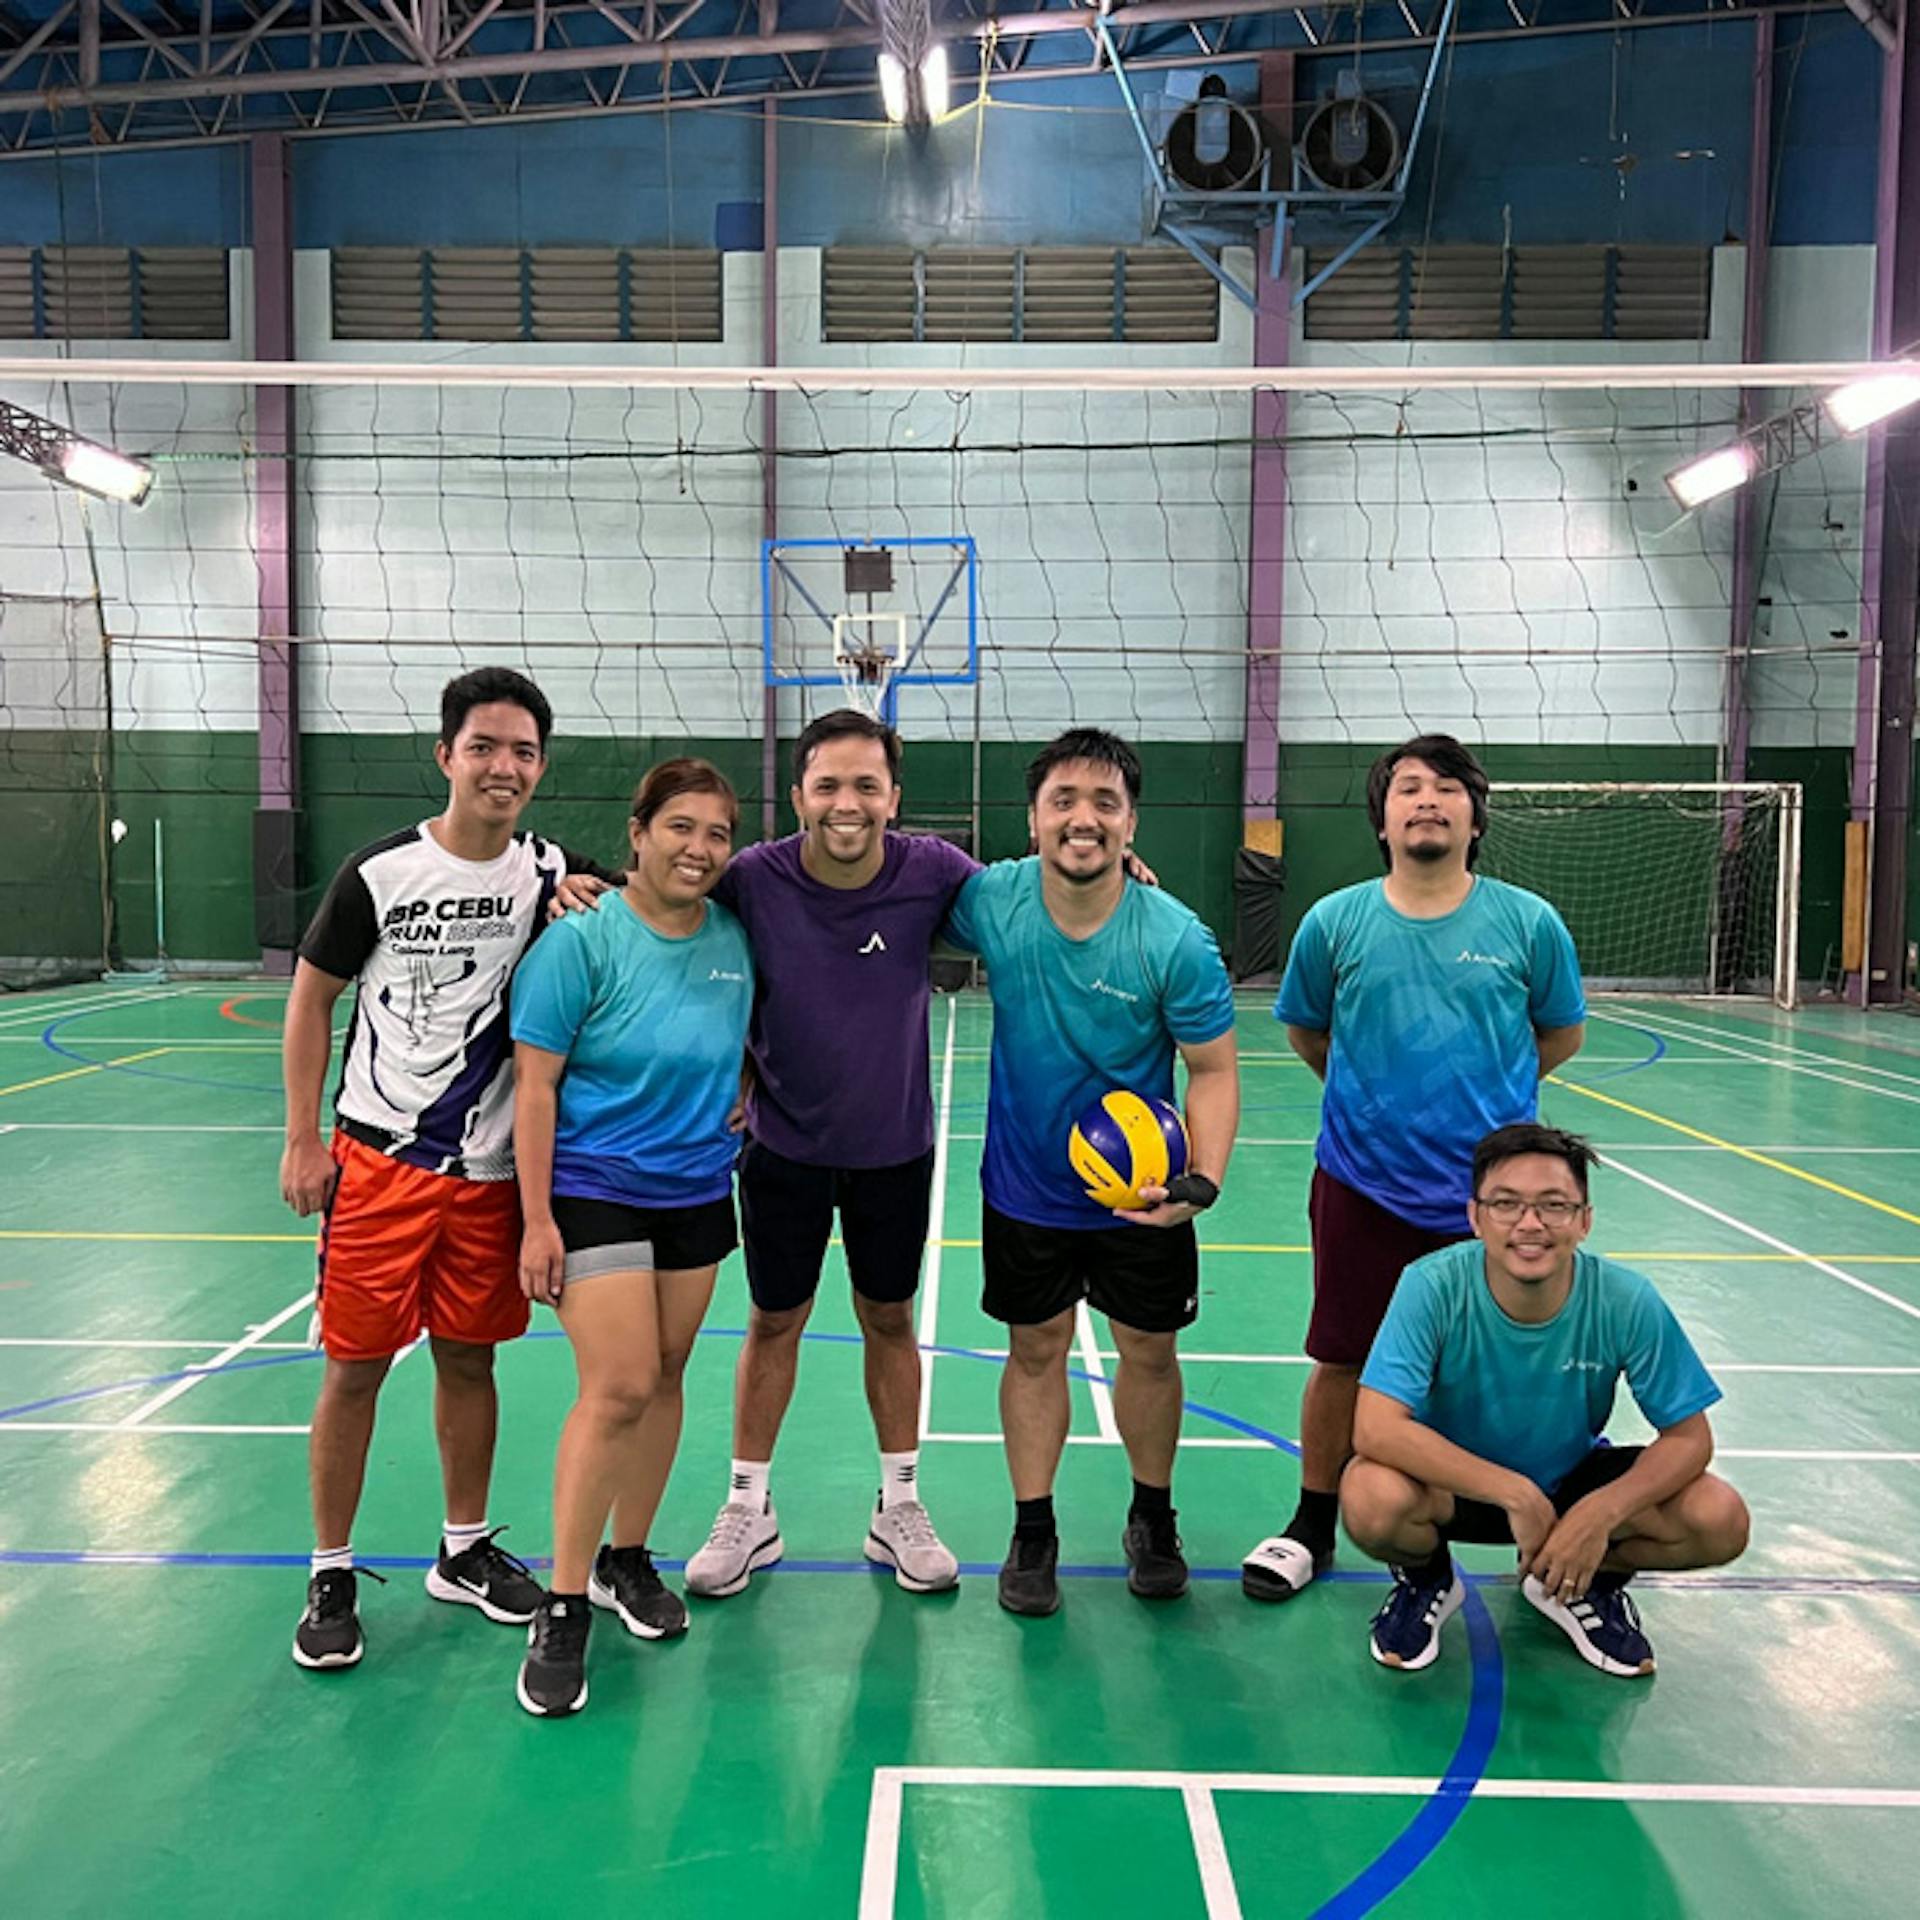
[[1359, 1253]]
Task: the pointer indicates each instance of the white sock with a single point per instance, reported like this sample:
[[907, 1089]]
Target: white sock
[[899, 1478], [457, 1536], [747, 1484], [331, 1560]]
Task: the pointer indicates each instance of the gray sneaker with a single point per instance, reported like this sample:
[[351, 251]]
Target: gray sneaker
[[743, 1540], [902, 1537]]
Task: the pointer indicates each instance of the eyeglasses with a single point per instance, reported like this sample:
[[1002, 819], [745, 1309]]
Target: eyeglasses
[[1508, 1207]]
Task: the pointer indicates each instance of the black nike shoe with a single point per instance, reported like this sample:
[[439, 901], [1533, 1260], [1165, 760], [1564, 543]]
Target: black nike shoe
[[624, 1581], [486, 1576], [329, 1631], [553, 1676]]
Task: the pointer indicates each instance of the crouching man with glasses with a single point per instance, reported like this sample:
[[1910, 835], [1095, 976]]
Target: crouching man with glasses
[[1483, 1407]]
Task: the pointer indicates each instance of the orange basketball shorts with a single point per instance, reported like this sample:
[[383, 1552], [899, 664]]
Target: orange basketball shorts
[[404, 1250]]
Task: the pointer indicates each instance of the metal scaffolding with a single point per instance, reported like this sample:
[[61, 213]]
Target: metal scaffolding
[[109, 73]]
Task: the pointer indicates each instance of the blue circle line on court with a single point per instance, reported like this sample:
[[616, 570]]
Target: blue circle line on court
[[1658, 1054], [1401, 1859], [1420, 1838], [50, 1040]]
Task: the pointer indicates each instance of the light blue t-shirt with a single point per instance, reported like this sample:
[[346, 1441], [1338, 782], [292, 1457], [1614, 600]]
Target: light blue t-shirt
[[1073, 1019], [1532, 1399], [653, 1029], [1432, 1025]]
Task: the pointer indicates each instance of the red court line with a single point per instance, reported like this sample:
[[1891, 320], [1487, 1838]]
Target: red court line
[[227, 1012]]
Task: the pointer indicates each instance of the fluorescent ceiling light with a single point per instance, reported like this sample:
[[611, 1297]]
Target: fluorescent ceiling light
[[1861, 403], [103, 473], [1713, 474], [893, 88]]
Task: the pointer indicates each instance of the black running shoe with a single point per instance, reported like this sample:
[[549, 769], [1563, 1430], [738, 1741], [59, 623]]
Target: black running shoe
[[329, 1631], [1028, 1581], [488, 1577], [553, 1676], [1155, 1568], [624, 1581]]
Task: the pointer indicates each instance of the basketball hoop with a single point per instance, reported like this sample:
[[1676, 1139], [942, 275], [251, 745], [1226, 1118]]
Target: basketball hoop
[[869, 649]]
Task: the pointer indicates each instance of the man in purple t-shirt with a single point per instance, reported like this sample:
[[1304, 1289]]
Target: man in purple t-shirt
[[842, 916]]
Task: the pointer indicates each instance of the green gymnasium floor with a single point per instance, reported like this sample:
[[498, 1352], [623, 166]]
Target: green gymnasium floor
[[827, 1745]]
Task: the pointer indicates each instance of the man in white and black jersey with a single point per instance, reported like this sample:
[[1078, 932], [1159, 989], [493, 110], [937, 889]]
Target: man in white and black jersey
[[422, 1217]]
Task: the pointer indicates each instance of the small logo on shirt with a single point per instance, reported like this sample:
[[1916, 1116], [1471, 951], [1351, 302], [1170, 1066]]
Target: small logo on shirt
[[1583, 1366], [721, 973], [1115, 993], [1468, 958], [874, 943]]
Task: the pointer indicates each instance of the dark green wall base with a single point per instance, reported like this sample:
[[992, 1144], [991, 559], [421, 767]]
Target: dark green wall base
[[202, 788]]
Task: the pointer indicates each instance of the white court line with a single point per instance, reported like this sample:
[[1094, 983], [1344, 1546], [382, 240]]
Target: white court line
[[1210, 1850], [1410, 1786], [1827, 1267], [26, 1016], [251, 1338], [1815, 1453], [1217, 1442], [929, 1333], [1687, 1029], [121, 1431], [137, 1344], [1784, 1066], [135, 1126], [1097, 1384], [880, 1864]]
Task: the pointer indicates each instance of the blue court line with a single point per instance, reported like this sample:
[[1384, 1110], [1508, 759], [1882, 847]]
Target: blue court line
[[1658, 1054], [1415, 1844], [1420, 1838], [54, 1045], [1782, 1586]]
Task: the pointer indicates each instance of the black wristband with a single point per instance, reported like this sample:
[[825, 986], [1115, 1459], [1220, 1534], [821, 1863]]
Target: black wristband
[[1193, 1190]]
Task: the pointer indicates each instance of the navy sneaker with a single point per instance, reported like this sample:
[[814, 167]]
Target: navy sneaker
[[1603, 1624], [1406, 1631]]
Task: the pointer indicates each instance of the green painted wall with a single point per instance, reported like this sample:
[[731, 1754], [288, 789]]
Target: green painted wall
[[202, 788]]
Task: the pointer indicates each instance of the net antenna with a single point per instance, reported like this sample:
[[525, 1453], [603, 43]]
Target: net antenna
[[868, 650]]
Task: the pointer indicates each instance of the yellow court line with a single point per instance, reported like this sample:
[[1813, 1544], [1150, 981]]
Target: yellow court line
[[217, 1239], [76, 1073], [1745, 1153]]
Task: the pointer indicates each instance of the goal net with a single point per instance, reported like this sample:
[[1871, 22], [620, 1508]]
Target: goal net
[[1676, 888]]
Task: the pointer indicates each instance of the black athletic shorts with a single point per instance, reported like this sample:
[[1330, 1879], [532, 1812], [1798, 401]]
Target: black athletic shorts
[[1147, 1278], [603, 1236], [1479, 1523], [786, 1217]]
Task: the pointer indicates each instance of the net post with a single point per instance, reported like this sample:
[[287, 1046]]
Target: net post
[[1786, 915]]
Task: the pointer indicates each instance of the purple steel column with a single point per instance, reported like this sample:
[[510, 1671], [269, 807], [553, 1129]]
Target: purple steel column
[[1753, 328], [1272, 341], [769, 429], [1883, 746], [273, 490]]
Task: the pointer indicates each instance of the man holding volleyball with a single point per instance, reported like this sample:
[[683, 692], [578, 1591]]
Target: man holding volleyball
[[1096, 982]]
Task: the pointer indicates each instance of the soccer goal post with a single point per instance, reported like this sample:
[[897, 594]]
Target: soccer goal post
[[1685, 887]]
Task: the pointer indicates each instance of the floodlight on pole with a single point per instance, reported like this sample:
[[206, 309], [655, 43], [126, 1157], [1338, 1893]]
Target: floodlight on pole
[[1864, 403], [65, 456], [1713, 474], [916, 78]]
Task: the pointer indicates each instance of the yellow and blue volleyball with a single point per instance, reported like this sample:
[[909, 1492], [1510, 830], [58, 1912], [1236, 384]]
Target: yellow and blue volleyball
[[1126, 1141]]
